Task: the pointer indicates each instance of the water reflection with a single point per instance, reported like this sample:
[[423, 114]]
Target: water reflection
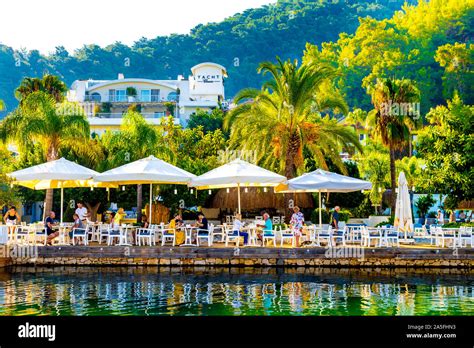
[[136, 291]]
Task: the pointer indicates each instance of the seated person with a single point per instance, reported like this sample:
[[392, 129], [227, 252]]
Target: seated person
[[237, 228], [49, 225], [77, 224], [175, 225], [144, 223], [202, 222], [268, 228]]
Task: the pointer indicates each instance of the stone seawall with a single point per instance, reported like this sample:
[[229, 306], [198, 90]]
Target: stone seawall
[[258, 257]]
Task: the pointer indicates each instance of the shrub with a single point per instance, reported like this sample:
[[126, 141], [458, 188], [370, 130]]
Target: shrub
[[324, 215], [390, 222], [344, 215]]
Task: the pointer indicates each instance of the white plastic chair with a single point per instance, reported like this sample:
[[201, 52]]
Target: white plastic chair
[[144, 235], [442, 237], [103, 232], [231, 235], [80, 233], [391, 237], [466, 237], [219, 232], [167, 234], [40, 232], [268, 235], [288, 234], [369, 235], [325, 236], [113, 233], [276, 220], [205, 234], [22, 234]]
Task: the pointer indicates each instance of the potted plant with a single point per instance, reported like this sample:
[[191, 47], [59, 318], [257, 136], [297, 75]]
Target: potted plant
[[131, 94], [423, 204]]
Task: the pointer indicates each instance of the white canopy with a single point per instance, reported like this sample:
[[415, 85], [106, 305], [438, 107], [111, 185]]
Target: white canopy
[[403, 215], [237, 173], [150, 170], [56, 174], [323, 181]]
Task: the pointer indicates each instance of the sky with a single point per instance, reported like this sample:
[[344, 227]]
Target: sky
[[45, 24]]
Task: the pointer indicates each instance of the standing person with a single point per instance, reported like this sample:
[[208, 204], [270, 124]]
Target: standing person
[[462, 216], [49, 224], [81, 211], [118, 218], [12, 217], [440, 217], [335, 223], [296, 223]]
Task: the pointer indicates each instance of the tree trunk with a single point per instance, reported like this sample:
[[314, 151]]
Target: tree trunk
[[393, 180], [139, 202], [93, 210], [290, 170], [51, 155]]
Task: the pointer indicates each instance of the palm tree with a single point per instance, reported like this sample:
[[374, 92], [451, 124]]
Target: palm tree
[[282, 119], [136, 140], [50, 84], [393, 117], [55, 127]]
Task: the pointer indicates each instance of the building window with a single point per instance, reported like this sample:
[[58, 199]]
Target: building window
[[120, 95], [172, 96], [159, 114], [145, 95], [155, 95], [96, 97]]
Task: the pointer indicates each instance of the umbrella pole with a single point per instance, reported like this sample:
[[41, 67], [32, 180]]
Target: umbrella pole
[[151, 199], [320, 213], [62, 200], [238, 196]]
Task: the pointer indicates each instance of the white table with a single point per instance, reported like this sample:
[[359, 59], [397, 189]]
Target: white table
[[188, 232], [124, 231]]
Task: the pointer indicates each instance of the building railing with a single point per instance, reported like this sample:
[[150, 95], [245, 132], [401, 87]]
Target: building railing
[[121, 115], [125, 99]]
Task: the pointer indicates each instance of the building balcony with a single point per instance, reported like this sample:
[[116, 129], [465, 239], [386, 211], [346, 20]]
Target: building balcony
[[125, 99]]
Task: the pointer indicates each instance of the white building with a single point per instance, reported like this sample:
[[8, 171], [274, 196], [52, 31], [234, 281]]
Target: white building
[[105, 101]]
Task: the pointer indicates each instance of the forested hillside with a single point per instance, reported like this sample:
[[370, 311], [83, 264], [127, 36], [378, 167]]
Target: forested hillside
[[239, 43]]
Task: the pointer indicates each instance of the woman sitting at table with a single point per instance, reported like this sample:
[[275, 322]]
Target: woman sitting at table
[[175, 225], [11, 217], [237, 228]]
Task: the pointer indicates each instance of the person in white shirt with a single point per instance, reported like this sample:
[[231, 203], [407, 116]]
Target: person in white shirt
[[81, 211], [440, 217], [237, 228]]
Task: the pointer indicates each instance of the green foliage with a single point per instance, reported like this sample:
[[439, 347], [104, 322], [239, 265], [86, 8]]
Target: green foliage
[[447, 147], [284, 118], [325, 216], [131, 91], [424, 203], [240, 43], [458, 224], [390, 221], [209, 121], [344, 215]]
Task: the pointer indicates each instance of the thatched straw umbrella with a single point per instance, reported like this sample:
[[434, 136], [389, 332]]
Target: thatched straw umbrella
[[257, 198]]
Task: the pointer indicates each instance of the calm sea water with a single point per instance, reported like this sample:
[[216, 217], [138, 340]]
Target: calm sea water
[[149, 291]]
